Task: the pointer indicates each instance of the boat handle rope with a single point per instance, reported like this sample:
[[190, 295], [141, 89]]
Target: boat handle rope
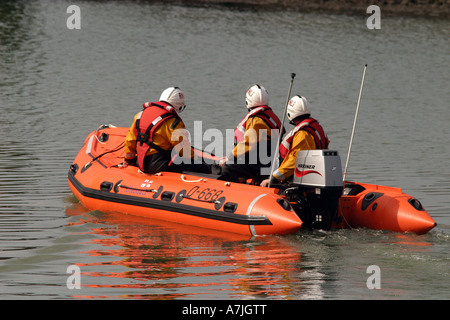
[[105, 126], [181, 195], [137, 189], [183, 177], [120, 146]]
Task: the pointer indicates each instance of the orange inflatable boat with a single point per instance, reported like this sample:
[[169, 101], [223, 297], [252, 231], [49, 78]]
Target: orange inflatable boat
[[97, 179], [100, 184]]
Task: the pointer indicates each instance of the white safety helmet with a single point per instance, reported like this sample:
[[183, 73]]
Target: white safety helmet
[[175, 97], [256, 96], [297, 106]]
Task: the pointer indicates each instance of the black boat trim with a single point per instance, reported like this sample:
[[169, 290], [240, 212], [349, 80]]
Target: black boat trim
[[167, 205]]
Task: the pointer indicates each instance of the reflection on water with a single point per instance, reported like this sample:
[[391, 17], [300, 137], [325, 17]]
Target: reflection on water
[[134, 257], [172, 261]]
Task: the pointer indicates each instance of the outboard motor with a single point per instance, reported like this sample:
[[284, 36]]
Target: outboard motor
[[317, 187]]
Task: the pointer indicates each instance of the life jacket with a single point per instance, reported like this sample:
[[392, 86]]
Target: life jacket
[[310, 125], [265, 113], [147, 122]]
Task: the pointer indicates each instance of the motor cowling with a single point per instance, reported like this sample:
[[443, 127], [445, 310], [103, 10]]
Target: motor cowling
[[316, 187]]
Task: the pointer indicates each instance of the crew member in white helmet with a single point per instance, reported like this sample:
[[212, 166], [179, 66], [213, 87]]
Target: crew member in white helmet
[[158, 136], [257, 128], [307, 134]]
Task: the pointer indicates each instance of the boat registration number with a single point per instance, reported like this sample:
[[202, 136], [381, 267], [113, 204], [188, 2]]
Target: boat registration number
[[206, 194]]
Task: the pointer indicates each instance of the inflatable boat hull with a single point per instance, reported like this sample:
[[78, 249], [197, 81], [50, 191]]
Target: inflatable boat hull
[[100, 184], [97, 179]]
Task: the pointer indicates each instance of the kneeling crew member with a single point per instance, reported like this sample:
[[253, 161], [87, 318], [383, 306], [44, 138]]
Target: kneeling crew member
[[307, 134], [158, 136], [252, 132]]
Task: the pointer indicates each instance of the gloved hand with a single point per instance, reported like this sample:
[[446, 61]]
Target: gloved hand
[[265, 183], [127, 162], [221, 161]]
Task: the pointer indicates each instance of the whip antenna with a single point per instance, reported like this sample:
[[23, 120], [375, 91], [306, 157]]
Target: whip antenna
[[354, 122], [281, 130]]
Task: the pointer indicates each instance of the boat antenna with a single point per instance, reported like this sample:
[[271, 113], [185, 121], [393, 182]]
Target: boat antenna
[[354, 123], [281, 129]]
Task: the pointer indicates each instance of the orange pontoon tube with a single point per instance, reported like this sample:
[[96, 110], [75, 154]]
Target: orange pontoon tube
[[382, 208], [97, 180]]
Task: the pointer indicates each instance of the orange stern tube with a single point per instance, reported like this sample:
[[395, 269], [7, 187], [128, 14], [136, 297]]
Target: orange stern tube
[[383, 208]]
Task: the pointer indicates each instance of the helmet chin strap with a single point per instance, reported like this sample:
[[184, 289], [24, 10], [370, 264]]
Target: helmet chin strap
[[299, 119]]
